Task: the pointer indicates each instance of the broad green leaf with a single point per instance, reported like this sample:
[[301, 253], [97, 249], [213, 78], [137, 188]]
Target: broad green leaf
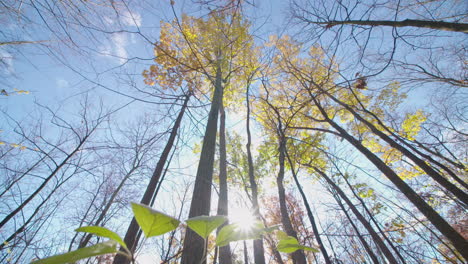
[[82, 253], [203, 225], [152, 222], [102, 232], [234, 232], [290, 244], [228, 233], [281, 235]]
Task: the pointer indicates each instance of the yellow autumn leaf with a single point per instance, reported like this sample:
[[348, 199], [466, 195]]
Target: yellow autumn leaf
[[20, 91], [412, 124]]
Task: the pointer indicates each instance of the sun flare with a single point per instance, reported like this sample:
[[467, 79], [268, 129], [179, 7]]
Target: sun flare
[[243, 217]]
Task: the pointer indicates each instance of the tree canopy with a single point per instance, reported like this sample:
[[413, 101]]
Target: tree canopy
[[233, 131]]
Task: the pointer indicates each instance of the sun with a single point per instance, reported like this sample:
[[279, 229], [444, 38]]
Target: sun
[[242, 217]]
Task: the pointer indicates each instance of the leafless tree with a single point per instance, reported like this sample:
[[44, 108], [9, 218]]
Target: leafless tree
[[415, 43], [51, 156]]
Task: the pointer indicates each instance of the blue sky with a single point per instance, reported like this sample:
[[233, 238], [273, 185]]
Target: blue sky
[[57, 74], [106, 65]]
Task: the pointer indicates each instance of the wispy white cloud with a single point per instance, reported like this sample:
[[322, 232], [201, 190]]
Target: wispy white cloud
[[131, 18], [127, 18], [116, 47], [61, 83], [120, 42], [108, 20]]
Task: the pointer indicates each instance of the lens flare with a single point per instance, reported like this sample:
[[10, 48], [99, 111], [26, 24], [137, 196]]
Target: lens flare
[[242, 217]]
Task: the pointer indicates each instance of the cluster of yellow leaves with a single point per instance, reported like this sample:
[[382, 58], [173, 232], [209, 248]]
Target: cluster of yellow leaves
[[190, 52], [4, 92], [364, 191], [352, 97], [295, 74], [390, 96], [412, 124], [8, 251], [310, 74], [410, 173], [367, 193], [307, 150], [14, 145], [398, 227], [20, 91], [392, 156], [304, 69], [290, 79], [389, 154]]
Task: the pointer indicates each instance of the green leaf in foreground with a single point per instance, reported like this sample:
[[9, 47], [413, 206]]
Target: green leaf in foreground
[[152, 222], [290, 244], [82, 253], [102, 232], [233, 232], [228, 233], [280, 235], [203, 225]]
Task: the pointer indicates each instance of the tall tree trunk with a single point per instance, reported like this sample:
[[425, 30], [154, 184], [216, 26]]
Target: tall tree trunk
[[246, 255], [364, 243], [448, 231], [155, 194], [439, 25], [373, 220], [455, 162], [388, 254], [87, 237], [133, 229], [298, 256], [224, 252], [201, 199], [435, 162], [436, 176], [259, 252], [309, 213], [272, 245]]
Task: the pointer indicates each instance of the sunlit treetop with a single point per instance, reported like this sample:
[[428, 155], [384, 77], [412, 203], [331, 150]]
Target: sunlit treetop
[[292, 76], [303, 63], [190, 50], [299, 76], [296, 77]]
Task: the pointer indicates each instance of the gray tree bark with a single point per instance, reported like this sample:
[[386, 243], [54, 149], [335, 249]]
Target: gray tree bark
[[225, 256], [132, 231], [201, 199]]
